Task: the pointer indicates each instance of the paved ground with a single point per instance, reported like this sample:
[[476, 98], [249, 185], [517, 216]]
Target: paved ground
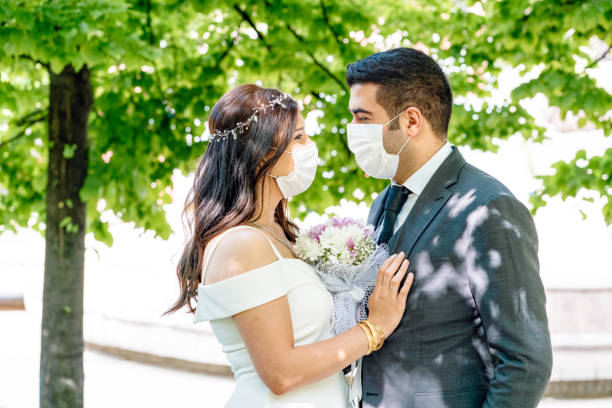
[[111, 382]]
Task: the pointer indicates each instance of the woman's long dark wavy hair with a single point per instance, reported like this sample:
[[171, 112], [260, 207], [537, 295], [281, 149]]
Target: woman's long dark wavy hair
[[224, 189]]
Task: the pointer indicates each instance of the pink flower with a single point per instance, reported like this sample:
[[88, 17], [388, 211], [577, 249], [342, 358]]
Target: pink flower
[[350, 244], [343, 222], [316, 231]]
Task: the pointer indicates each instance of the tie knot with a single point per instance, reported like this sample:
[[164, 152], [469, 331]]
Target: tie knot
[[396, 198]]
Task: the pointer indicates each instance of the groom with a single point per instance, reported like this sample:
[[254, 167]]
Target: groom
[[475, 331]]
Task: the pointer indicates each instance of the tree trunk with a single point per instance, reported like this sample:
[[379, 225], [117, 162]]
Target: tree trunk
[[61, 357]]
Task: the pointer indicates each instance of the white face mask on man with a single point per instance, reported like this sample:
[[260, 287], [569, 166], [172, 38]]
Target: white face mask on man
[[366, 142], [305, 162]]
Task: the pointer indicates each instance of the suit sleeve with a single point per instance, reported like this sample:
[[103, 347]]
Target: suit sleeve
[[502, 268]]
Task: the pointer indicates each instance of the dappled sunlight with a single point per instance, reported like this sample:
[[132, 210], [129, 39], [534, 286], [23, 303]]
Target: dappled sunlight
[[437, 279], [494, 259], [473, 221], [464, 247], [494, 310], [108, 106], [436, 241], [506, 224], [459, 202], [482, 273], [522, 309]]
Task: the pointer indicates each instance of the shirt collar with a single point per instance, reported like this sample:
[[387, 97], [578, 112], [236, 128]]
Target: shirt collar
[[417, 182]]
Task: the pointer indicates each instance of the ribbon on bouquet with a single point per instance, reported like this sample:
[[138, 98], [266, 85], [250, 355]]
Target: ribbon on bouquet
[[354, 381], [351, 286]]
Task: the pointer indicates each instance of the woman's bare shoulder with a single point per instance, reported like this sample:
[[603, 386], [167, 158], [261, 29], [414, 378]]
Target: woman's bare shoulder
[[238, 251]]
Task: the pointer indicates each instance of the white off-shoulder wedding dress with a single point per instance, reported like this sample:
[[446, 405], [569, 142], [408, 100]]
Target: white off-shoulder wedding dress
[[311, 308]]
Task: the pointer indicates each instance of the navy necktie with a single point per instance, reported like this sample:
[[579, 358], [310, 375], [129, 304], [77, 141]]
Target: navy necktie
[[395, 201]]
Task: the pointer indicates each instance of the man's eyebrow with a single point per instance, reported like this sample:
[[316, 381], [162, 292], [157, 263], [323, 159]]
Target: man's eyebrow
[[359, 110]]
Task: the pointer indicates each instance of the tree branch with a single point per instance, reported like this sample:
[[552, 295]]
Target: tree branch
[[316, 95], [315, 61], [327, 23], [592, 64], [225, 52], [27, 57], [27, 121], [149, 27], [19, 135], [248, 19], [342, 139], [152, 41]]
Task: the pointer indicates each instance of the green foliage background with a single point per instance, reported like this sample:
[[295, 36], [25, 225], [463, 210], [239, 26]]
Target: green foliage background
[[159, 66]]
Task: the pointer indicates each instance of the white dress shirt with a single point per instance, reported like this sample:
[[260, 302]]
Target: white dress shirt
[[417, 182]]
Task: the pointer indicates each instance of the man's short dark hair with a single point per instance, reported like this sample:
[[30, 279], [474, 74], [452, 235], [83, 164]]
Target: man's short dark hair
[[407, 77]]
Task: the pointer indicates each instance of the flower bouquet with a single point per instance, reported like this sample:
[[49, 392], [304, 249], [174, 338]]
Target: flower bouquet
[[344, 253]]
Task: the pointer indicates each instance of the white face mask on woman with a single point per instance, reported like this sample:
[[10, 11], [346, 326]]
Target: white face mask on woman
[[366, 142], [305, 162]]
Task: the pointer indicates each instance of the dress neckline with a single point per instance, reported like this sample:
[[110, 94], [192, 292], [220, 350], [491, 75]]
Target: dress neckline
[[210, 285]]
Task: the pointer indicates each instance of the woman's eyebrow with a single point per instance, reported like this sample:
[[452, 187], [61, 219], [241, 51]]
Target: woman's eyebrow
[[297, 130]]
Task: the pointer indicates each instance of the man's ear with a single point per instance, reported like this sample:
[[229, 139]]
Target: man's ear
[[411, 121]]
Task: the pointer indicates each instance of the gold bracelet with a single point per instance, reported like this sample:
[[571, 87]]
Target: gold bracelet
[[377, 341], [378, 333], [381, 333], [371, 340], [375, 333], [368, 335]]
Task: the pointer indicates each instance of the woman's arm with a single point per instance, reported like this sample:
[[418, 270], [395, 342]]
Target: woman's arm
[[267, 329], [268, 335]]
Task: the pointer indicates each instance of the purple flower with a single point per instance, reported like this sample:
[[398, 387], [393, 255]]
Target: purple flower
[[316, 231], [350, 244], [344, 221]]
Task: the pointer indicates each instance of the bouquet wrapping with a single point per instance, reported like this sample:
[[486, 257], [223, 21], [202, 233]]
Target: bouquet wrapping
[[344, 253]]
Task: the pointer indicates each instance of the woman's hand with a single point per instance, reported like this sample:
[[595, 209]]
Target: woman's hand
[[388, 302]]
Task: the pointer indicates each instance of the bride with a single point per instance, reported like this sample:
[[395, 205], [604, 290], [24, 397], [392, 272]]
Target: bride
[[269, 310]]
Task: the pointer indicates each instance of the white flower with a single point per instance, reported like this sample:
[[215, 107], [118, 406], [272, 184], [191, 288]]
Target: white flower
[[339, 241], [307, 249]]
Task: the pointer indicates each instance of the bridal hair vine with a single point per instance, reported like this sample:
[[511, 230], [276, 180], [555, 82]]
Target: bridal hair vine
[[243, 126]]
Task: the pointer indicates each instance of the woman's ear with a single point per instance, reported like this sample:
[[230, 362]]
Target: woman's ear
[[411, 121]]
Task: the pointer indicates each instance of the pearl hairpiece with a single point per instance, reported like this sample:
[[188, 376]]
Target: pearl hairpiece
[[242, 126]]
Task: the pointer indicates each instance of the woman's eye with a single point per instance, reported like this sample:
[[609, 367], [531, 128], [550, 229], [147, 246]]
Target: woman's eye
[[298, 136]]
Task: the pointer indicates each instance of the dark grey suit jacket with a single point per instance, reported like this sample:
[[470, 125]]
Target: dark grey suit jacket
[[475, 331]]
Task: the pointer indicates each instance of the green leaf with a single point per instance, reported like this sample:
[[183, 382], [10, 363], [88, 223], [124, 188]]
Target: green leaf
[[69, 150], [65, 221]]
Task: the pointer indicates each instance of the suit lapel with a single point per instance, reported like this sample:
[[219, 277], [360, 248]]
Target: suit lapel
[[429, 203]]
